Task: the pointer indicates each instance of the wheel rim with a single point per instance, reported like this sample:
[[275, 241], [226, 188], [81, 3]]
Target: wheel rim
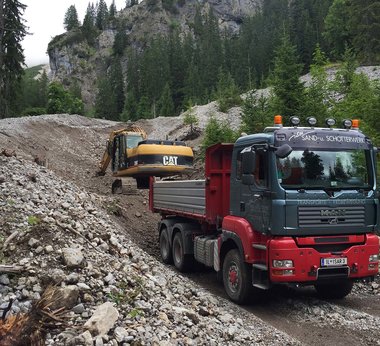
[[177, 252], [164, 245], [233, 277]]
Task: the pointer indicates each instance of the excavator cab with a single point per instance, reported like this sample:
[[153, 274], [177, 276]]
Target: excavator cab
[[121, 143]]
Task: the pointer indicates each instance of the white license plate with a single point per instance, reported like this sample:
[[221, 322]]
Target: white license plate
[[331, 262]]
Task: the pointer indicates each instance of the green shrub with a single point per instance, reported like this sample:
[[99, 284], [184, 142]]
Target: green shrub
[[34, 111]]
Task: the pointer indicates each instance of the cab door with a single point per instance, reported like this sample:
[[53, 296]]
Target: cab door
[[255, 197], [119, 158]]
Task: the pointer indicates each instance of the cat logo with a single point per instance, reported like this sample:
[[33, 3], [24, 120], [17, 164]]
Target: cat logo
[[170, 160]]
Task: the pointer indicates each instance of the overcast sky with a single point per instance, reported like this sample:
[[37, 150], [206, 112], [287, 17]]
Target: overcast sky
[[44, 19]]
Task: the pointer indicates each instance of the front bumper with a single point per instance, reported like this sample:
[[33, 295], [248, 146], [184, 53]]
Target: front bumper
[[307, 261]]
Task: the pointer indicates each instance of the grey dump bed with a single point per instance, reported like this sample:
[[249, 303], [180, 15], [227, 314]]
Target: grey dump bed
[[186, 196]]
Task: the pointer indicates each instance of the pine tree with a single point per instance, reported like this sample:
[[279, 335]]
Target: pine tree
[[130, 3], [143, 108], [210, 52], [155, 72], [317, 94], [365, 25], [12, 31], [302, 29], [256, 113], [112, 12], [287, 88], [133, 73], [217, 132], [105, 106], [102, 15], [130, 108], [345, 75], [88, 27], [120, 42], [193, 84], [227, 93], [190, 118], [71, 19], [337, 33], [165, 103], [177, 67], [117, 84]]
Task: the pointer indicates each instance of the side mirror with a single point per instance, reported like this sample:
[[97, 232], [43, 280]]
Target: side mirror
[[283, 151]]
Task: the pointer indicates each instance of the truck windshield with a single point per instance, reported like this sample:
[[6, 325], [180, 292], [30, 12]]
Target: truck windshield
[[133, 140], [315, 169]]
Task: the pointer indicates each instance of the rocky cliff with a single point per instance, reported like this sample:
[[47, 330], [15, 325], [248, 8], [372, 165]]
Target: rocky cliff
[[71, 58]]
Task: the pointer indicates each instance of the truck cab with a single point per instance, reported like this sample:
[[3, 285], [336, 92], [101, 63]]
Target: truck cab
[[315, 205]]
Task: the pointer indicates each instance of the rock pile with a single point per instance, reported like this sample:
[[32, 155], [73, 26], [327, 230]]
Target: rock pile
[[114, 293]]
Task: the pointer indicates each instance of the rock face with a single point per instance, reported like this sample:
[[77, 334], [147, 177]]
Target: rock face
[[72, 58]]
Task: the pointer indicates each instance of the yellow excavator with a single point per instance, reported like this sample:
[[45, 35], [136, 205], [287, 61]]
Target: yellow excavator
[[132, 154]]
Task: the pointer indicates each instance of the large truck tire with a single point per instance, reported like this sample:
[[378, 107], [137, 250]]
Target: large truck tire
[[181, 261], [165, 248], [237, 278], [334, 290]]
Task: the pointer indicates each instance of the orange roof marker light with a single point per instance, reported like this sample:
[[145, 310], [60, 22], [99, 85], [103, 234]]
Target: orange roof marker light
[[355, 124], [278, 120]]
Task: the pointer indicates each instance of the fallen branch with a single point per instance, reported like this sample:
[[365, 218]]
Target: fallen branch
[[9, 268], [9, 239]]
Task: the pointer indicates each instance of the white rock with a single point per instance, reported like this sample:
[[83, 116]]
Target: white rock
[[103, 319], [120, 334], [72, 257]]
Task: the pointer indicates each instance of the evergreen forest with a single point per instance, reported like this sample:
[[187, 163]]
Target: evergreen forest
[[173, 72]]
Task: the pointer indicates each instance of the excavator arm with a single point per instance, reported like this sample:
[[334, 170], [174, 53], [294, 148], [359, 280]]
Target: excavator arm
[[106, 158]]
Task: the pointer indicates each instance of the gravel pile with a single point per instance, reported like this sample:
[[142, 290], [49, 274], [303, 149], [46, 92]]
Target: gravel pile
[[115, 294]]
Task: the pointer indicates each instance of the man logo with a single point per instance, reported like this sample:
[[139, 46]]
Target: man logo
[[170, 160], [333, 212]]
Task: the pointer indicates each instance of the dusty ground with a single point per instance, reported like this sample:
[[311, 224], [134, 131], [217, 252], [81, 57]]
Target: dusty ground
[[72, 146]]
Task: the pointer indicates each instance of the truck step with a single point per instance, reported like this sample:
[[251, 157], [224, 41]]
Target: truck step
[[260, 266], [262, 286], [259, 247]]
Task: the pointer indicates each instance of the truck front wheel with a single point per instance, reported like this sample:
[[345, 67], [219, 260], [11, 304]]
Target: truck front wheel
[[165, 249], [181, 261], [236, 277], [334, 290]]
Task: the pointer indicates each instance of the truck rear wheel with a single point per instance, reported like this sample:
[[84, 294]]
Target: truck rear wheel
[[165, 248], [181, 261], [334, 290], [236, 277]]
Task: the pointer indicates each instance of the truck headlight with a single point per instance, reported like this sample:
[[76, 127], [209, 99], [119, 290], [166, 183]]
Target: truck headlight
[[282, 263], [374, 258]]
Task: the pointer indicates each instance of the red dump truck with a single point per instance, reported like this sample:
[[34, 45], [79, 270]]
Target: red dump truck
[[291, 205]]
